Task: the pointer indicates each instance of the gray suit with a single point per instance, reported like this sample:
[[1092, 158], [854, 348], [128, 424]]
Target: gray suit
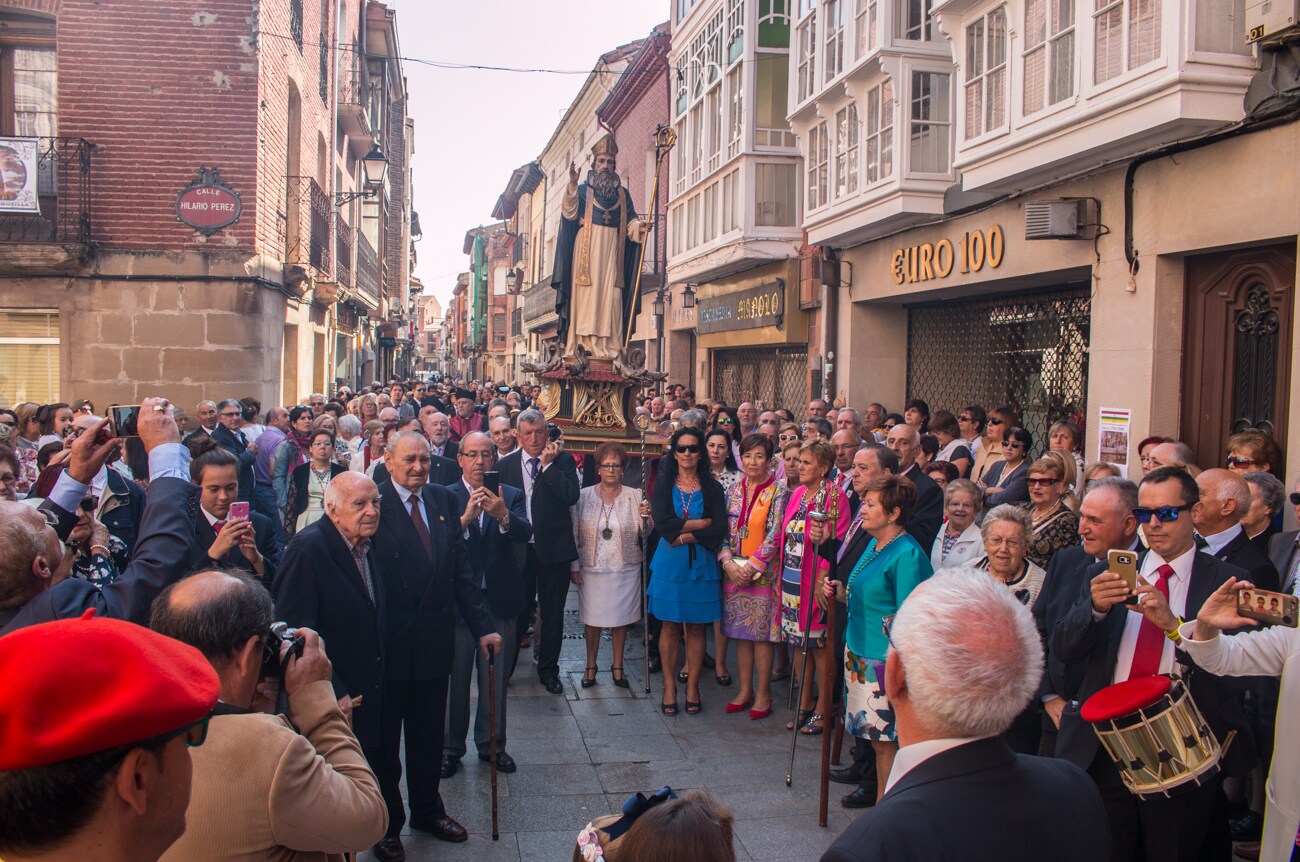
[[1282, 551]]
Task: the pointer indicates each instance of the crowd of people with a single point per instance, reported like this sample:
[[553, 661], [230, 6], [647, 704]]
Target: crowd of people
[[430, 533]]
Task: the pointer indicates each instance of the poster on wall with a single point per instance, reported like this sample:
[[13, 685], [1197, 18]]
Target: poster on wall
[[1112, 436], [18, 157]]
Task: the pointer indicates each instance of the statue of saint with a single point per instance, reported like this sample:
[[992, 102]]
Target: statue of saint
[[596, 256]]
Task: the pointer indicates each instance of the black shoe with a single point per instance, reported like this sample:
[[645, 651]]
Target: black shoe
[[846, 775], [621, 679], [505, 763], [1247, 828], [390, 850], [860, 798], [553, 685], [443, 828], [449, 765], [655, 665], [589, 681]]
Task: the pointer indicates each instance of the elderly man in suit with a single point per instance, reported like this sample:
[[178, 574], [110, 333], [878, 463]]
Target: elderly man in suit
[[1284, 549], [494, 526], [296, 796], [923, 525], [1116, 642], [427, 578], [1225, 499], [442, 471], [249, 544], [549, 478], [31, 548], [230, 415], [328, 581], [964, 660]]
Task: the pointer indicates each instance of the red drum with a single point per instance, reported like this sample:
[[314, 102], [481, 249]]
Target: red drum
[[1155, 734]]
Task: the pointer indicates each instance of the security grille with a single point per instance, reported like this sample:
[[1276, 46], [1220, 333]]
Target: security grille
[[777, 377], [1027, 351]]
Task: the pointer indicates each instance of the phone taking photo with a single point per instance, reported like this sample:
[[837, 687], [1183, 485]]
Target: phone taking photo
[[126, 420], [492, 481], [238, 512], [1124, 564], [1268, 607]]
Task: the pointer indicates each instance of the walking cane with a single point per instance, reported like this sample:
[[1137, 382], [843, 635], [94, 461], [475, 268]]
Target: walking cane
[[492, 732], [642, 423], [803, 661], [824, 794]]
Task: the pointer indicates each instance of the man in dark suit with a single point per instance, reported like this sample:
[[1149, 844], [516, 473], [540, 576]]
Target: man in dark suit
[[494, 526], [442, 471], [1106, 523], [1284, 549], [437, 427], [923, 525], [219, 541], [427, 577], [163, 547], [228, 436], [1115, 644], [956, 789], [549, 477], [1225, 498]]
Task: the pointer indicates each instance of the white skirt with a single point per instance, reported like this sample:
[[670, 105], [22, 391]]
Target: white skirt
[[608, 597]]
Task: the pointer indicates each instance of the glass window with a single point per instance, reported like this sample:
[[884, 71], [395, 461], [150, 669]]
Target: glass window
[[730, 201], [711, 212], [29, 357], [806, 71], [914, 22], [880, 131], [713, 116], [36, 104], [931, 123], [846, 150], [735, 30], [735, 109], [986, 73], [1049, 53], [833, 25], [818, 167], [771, 104], [1126, 35], [774, 195], [774, 23], [864, 26]]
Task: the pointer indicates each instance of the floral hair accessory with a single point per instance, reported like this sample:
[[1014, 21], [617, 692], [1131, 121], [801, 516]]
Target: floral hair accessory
[[589, 844]]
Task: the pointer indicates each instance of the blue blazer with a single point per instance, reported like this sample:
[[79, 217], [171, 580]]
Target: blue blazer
[[492, 553], [1014, 490]]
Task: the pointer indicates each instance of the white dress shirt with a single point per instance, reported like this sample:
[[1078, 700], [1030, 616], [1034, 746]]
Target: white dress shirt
[[406, 496], [1178, 587], [911, 756], [524, 458], [1217, 542]]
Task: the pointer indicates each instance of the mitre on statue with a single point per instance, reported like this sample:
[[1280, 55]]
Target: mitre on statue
[[604, 147]]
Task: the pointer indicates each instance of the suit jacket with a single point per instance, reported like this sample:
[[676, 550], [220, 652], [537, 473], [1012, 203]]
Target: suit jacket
[[449, 451], [163, 550], [263, 533], [121, 507], [981, 800], [318, 586], [927, 514], [1094, 644], [492, 553], [442, 471], [554, 493], [1014, 490], [1282, 551], [421, 592], [232, 444], [1067, 579], [297, 797], [1242, 553]]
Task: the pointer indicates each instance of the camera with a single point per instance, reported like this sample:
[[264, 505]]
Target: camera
[[279, 633], [553, 431]]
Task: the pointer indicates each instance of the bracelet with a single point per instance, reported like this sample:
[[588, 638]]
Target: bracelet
[[1174, 635], [103, 548]]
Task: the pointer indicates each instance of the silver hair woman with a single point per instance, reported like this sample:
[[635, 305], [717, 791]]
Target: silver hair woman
[[1006, 532]]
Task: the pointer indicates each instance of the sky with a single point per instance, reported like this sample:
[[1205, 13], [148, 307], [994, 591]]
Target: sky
[[473, 127]]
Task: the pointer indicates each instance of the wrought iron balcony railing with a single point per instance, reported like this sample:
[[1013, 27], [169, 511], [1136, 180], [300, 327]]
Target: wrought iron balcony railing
[[367, 276], [310, 221], [63, 194], [343, 253]]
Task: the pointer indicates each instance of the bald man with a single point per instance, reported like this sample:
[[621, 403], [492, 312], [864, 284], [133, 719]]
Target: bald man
[[1225, 498]]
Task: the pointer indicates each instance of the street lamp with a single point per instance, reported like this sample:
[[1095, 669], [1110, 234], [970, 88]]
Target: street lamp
[[688, 297], [512, 280], [374, 168]]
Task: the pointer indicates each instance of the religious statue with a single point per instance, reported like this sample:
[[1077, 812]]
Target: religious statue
[[596, 258]]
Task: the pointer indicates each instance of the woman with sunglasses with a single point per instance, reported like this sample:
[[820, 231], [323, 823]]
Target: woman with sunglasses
[[801, 617], [873, 588], [971, 421], [990, 447], [685, 590], [97, 555], [1004, 482], [751, 606], [1252, 451], [1053, 527]]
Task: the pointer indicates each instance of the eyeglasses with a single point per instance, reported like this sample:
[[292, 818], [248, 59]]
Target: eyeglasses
[[1294, 498], [8, 479], [995, 422], [1238, 461], [963, 418], [1003, 543], [611, 466], [1162, 513], [887, 627], [692, 448], [85, 408], [229, 415], [722, 420], [1041, 481]]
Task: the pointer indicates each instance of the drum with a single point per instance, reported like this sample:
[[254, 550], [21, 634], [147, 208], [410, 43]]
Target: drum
[[1155, 734]]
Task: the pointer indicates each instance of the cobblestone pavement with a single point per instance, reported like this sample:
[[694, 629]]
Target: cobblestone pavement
[[583, 754]]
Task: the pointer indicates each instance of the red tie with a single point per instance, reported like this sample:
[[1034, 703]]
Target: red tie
[[421, 529], [218, 525], [1151, 640]]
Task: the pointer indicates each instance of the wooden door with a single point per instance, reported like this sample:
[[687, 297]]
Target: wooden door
[[1237, 347]]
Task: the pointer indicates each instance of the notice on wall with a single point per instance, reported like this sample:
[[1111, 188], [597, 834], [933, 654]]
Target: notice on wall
[[1113, 436]]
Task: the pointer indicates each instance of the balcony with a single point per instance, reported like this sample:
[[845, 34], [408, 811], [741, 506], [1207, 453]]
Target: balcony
[[354, 97], [310, 219], [517, 322], [367, 275], [343, 253], [57, 236], [539, 306]]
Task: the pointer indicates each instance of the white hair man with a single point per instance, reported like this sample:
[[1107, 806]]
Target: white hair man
[[964, 660]]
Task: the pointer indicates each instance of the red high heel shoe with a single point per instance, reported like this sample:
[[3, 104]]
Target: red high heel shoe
[[756, 714], [739, 707]]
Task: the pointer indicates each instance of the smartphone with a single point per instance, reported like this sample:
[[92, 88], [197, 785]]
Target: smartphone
[[1124, 564], [126, 420], [238, 512], [492, 481], [1269, 607], [553, 431]]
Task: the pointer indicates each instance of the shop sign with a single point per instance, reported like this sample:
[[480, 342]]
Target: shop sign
[[386, 341], [973, 251], [207, 204], [745, 309]]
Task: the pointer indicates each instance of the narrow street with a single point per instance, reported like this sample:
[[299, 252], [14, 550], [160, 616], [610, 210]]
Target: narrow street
[[582, 755]]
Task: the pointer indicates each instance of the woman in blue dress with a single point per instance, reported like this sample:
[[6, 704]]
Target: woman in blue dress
[[689, 509]]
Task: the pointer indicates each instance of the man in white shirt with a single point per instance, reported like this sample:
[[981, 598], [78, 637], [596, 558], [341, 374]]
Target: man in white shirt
[[964, 661]]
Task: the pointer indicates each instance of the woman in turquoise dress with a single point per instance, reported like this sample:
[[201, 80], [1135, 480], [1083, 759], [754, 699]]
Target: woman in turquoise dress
[[891, 566], [685, 591]]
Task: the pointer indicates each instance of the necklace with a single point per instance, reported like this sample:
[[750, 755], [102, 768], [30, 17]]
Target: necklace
[[747, 502], [866, 561], [686, 495], [605, 513], [322, 476]]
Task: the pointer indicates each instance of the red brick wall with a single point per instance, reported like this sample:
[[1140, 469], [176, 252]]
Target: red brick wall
[[635, 137]]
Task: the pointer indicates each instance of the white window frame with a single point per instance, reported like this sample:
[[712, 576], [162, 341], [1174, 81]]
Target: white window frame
[[866, 23], [940, 124], [832, 39], [848, 137], [806, 58], [818, 166], [987, 73], [878, 139], [1128, 63], [1056, 32], [925, 27]]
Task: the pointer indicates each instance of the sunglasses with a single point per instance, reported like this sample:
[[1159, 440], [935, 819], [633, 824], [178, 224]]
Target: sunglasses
[[1163, 513], [1294, 498], [963, 418], [1238, 461], [89, 503], [995, 422], [85, 408], [1012, 444], [722, 421], [692, 448], [1041, 482]]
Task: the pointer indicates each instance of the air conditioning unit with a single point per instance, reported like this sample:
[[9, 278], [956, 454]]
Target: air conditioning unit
[[1270, 20], [1072, 218]]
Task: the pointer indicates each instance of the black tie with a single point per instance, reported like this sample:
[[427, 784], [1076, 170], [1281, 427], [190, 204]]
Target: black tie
[[1199, 541], [421, 529]]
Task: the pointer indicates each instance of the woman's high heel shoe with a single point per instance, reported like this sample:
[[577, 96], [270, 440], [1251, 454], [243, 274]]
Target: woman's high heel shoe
[[589, 681], [620, 678]]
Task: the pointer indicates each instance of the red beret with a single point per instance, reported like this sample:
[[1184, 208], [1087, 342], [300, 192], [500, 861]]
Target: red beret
[[80, 686]]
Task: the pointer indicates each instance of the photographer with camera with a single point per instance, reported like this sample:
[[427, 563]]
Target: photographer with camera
[[294, 795]]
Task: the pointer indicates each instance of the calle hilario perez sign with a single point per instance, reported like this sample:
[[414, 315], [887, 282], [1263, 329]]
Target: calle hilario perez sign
[[207, 204]]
